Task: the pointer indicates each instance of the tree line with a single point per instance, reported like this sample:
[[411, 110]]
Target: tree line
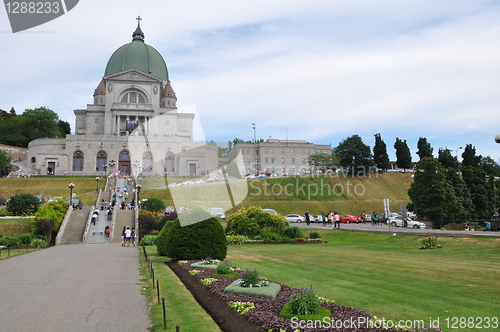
[[19, 130]]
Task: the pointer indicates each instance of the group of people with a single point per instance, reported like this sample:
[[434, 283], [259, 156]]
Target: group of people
[[330, 218], [128, 236]]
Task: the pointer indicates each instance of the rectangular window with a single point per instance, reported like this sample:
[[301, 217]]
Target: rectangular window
[[282, 151], [96, 120], [267, 160], [272, 160], [293, 160], [282, 160]]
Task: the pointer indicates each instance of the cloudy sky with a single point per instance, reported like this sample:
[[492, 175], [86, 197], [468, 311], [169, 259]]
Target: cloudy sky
[[316, 70]]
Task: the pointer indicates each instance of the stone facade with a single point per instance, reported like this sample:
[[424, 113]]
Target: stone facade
[[276, 156]]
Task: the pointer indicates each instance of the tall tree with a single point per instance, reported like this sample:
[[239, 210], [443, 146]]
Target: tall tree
[[469, 157], [12, 132], [41, 122], [432, 197], [446, 159], [482, 192], [380, 156], [466, 207], [65, 127], [403, 155], [354, 155], [5, 165], [489, 166], [424, 148]]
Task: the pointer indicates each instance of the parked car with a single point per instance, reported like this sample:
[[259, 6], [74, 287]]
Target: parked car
[[270, 211], [347, 219], [55, 199], [217, 212], [318, 218], [398, 222], [76, 203], [294, 218], [382, 218], [3, 201]]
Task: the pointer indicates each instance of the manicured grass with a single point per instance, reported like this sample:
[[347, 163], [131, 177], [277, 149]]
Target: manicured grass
[[182, 308], [5, 253], [15, 227], [388, 276]]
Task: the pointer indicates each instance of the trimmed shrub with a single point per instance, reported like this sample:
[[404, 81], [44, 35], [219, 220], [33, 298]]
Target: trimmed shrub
[[148, 240], [23, 204], [10, 242], [196, 241], [293, 232], [252, 220], [314, 235], [153, 205], [223, 268]]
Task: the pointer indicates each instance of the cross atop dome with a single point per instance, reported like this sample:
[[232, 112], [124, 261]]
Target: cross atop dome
[[138, 34]]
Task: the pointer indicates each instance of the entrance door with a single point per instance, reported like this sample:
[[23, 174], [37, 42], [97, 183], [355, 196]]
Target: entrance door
[[192, 169], [51, 168], [124, 163]]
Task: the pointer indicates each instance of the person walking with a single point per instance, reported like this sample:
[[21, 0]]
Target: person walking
[[128, 234], [132, 236], [323, 216], [308, 220], [123, 236], [363, 217], [336, 219]]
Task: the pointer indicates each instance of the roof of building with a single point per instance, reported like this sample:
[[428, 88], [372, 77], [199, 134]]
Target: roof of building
[[139, 55]]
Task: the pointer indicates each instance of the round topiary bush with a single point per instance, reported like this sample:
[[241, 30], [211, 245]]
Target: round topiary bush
[[199, 240], [293, 232]]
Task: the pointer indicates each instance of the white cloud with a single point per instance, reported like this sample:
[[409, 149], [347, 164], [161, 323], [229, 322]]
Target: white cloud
[[322, 69]]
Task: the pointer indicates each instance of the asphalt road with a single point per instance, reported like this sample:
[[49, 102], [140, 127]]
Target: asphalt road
[[73, 288]]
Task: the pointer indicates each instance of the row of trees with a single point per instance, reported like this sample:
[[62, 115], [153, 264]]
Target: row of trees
[[19, 130], [451, 191], [354, 155]]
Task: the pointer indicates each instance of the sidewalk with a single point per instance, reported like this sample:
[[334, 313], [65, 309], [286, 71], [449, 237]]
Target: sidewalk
[[77, 288]]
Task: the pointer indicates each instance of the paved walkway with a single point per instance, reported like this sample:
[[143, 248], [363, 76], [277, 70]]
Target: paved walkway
[[77, 288]]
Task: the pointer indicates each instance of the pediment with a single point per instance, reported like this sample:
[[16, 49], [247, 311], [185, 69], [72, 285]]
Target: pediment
[[133, 75]]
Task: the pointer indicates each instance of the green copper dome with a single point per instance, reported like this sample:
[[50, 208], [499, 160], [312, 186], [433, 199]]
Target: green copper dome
[[139, 55]]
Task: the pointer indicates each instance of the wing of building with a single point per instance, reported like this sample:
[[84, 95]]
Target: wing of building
[[132, 126]]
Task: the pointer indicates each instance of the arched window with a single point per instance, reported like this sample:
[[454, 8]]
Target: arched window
[[133, 97], [147, 162], [101, 161], [33, 160], [78, 161]]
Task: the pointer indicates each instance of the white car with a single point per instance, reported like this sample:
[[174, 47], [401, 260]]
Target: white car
[[217, 212], [294, 218], [398, 222]]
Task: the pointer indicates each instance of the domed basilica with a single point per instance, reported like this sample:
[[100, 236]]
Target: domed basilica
[[132, 126]]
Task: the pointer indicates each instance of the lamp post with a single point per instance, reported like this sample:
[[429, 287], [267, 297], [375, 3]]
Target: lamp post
[[138, 195], [71, 186], [97, 183]]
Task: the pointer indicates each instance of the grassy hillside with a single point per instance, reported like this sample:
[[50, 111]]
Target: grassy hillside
[[52, 186], [293, 194]]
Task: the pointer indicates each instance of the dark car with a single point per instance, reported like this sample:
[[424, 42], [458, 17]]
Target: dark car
[[76, 203], [2, 200]]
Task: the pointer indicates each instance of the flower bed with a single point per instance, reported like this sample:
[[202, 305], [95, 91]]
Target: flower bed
[[265, 316]]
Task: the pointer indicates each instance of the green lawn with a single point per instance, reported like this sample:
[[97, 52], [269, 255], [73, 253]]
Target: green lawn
[[15, 226], [387, 276]]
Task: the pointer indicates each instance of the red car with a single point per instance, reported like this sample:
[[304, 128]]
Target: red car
[[347, 219]]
